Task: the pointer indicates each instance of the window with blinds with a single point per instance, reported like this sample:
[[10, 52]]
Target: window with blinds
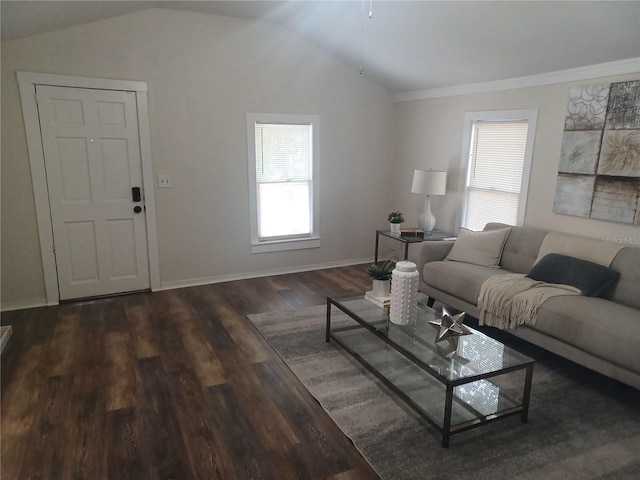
[[282, 161], [497, 170], [283, 177]]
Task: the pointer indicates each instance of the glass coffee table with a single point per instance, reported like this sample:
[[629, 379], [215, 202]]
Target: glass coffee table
[[480, 381]]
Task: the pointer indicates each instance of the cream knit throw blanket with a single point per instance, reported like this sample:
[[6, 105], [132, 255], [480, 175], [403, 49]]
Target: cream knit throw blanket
[[511, 299]]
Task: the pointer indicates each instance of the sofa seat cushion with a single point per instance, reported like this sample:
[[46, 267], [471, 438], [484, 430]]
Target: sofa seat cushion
[[460, 279], [605, 329]]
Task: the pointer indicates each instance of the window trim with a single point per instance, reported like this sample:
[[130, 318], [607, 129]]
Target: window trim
[[528, 115], [294, 242]]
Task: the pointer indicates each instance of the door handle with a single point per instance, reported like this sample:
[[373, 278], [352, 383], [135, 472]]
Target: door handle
[[137, 209], [136, 194]]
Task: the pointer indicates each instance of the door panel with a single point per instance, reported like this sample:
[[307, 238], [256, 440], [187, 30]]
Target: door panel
[[73, 169], [111, 113], [92, 157], [67, 111], [115, 162], [82, 251], [123, 251]]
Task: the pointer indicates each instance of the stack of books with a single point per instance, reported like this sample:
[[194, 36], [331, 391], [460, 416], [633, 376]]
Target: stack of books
[[382, 302], [413, 233]]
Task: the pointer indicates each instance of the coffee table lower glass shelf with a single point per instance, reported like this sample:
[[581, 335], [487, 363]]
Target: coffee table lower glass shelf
[[481, 381]]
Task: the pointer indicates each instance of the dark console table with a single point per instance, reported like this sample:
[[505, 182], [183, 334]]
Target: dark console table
[[410, 236]]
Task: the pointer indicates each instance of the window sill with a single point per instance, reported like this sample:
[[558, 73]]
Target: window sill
[[283, 245]]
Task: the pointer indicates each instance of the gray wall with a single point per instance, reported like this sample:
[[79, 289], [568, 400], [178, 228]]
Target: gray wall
[[429, 135], [204, 74]]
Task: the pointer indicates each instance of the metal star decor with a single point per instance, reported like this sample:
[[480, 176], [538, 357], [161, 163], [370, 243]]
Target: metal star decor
[[450, 327]]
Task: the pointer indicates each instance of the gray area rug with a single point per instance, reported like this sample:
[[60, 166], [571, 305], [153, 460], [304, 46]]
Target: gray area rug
[[581, 424]]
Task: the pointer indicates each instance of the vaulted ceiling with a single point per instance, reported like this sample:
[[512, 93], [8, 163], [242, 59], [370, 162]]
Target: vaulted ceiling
[[404, 45]]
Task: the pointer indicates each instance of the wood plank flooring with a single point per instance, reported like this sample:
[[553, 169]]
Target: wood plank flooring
[[175, 384]]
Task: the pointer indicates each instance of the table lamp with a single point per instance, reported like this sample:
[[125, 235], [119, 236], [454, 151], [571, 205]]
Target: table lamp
[[428, 182]]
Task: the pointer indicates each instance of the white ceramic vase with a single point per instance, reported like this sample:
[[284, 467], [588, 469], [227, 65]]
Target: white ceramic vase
[[404, 293], [394, 228]]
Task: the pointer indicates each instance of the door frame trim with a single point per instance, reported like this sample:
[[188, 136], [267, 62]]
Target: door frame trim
[[27, 82]]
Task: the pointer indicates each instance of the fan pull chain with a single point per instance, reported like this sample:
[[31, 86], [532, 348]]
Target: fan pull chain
[[362, 32]]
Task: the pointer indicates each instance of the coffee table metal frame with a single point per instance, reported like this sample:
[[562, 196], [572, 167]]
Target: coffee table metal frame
[[446, 429]]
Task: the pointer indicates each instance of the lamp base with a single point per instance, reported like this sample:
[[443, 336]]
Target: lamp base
[[426, 221]]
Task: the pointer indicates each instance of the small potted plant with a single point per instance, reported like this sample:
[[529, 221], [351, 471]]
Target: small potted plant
[[381, 274], [395, 219]]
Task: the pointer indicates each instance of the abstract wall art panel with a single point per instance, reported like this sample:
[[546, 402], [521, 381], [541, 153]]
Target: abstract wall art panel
[[624, 105], [574, 194], [586, 108], [580, 152], [599, 169], [615, 199], [620, 153]]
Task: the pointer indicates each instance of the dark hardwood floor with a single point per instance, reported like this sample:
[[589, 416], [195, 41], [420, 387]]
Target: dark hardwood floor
[[175, 384]]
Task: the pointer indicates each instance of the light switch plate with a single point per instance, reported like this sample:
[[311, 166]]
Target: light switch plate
[[164, 181]]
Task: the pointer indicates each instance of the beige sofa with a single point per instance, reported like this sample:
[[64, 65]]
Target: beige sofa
[[599, 332]]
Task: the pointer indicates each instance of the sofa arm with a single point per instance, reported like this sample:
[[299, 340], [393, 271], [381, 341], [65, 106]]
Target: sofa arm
[[433, 251]]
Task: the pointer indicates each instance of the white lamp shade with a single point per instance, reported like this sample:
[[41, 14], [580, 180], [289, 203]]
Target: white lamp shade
[[429, 182]]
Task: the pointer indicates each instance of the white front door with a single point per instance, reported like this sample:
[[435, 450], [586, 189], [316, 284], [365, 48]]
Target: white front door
[[92, 159]]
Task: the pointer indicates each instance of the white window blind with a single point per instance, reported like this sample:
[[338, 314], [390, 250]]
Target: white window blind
[[495, 173], [284, 166]]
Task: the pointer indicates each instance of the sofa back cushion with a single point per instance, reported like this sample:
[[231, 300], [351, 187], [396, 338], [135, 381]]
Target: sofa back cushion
[[626, 290], [590, 249], [521, 248]]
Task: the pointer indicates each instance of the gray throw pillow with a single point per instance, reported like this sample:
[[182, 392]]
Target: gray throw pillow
[[479, 248], [588, 277]]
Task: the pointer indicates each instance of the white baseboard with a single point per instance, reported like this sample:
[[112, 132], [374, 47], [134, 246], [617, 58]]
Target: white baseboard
[[195, 282]]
